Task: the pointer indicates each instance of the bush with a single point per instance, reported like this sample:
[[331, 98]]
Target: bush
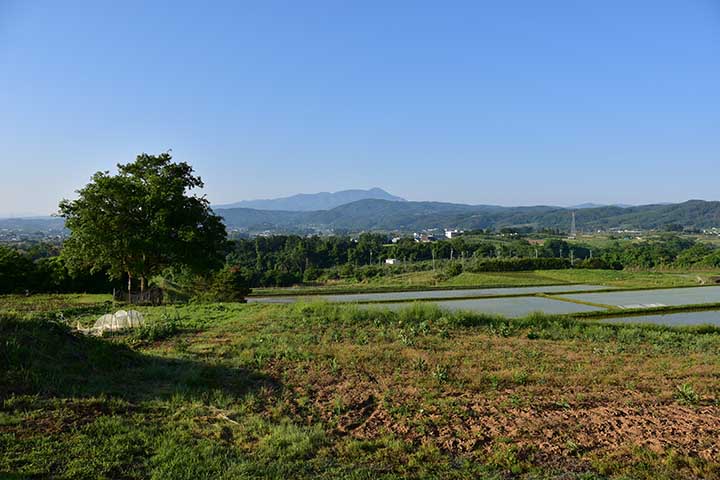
[[311, 274], [517, 264], [228, 285], [598, 263], [453, 269]]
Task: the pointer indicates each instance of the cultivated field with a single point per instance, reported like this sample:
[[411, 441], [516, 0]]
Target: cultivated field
[[335, 391]]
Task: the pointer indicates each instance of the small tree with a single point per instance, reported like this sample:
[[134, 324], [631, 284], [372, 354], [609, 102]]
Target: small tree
[[231, 284], [142, 220]]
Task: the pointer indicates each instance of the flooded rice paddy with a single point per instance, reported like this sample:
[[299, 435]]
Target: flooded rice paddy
[[522, 301], [684, 319], [651, 298], [512, 307]]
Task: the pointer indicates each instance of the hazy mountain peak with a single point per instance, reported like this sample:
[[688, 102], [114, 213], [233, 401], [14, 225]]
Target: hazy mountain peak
[[598, 205], [304, 202]]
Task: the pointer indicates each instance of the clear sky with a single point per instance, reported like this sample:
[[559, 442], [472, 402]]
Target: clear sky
[[502, 102]]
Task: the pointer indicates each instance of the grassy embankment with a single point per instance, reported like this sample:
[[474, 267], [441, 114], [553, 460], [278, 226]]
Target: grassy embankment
[[331, 391]]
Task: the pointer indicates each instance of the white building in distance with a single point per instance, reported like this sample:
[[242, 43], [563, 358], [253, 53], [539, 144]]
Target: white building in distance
[[453, 233]]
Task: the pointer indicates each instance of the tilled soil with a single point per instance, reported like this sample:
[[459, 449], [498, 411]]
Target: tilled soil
[[558, 434]]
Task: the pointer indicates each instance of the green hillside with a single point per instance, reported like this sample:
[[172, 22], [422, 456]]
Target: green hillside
[[389, 215]]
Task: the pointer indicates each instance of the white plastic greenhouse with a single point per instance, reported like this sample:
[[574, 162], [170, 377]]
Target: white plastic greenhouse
[[120, 320]]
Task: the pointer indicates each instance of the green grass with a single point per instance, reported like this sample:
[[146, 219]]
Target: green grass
[[50, 302], [503, 279], [610, 278], [319, 390]]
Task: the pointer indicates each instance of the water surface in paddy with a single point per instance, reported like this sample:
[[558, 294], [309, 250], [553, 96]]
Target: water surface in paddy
[[647, 298], [684, 319], [508, 307]]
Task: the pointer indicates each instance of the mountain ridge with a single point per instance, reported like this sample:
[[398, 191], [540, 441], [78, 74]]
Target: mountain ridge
[[306, 202], [376, 214], [388, 215]]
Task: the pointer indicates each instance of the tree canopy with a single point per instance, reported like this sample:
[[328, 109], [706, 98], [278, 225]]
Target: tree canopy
[[142, 220]]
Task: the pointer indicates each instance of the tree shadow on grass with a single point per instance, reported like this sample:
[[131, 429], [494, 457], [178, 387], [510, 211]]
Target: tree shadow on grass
[[46, 358], [73, 406]]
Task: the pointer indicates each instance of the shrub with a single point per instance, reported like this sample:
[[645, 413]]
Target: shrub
[[598, 263], [453, 269], [516, 264], [311, 274], [228, 285]]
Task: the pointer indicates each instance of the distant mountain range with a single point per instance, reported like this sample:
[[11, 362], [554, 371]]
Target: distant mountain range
[[598, 205], [32, 224], [412, 216], [395, 214], [307, 202]]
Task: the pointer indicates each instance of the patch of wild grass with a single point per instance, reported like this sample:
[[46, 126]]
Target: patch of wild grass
[[428, 318]]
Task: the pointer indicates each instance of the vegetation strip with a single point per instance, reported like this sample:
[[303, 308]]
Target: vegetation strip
[[358, 291], [260, 292], [579, 302], [464, 297]]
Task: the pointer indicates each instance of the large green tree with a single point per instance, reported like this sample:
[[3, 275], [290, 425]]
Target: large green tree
[[142, 220]]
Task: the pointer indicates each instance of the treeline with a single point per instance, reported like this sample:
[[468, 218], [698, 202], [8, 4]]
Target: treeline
[[284, 260], [42, 269], [669, 251]]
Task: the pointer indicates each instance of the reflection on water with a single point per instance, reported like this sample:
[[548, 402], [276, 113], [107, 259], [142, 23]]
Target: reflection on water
[[509, 307]]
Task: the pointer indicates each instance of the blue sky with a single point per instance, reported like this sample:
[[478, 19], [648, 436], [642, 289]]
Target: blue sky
[[504, 102]]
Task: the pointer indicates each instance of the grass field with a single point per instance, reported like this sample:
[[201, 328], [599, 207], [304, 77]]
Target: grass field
[[330, 391], [50, 303]]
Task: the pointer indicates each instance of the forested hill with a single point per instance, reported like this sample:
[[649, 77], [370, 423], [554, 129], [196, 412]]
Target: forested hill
[[408, 216], [373, 214]]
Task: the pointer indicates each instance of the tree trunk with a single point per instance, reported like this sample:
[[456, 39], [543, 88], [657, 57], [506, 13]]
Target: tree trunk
[[142, 277], [129, 285]]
